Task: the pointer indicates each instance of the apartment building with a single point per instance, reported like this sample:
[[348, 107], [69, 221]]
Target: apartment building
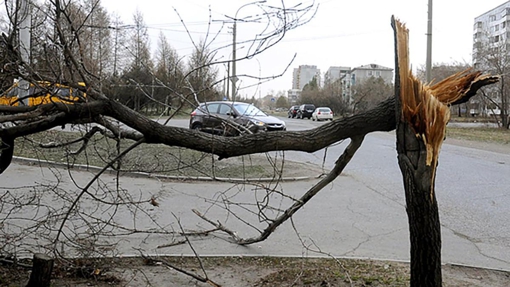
[[491, 36], [490, 30], [361, 73], [335, 73], [345, 76], [303, 75]]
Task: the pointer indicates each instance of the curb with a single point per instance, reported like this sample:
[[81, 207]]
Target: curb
[[31, 161]]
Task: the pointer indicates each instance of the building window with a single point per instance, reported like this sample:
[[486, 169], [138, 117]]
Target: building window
[[378, 73], [496, 27], [369, 73], [492, 18]]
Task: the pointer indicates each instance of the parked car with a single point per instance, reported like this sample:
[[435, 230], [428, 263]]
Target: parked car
[[322, 113], [292, 111], [232, 118], [305, 111]]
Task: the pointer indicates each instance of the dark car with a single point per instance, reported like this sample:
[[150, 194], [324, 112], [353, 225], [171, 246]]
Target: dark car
[[305, 111], [232, 118], [292, 111]]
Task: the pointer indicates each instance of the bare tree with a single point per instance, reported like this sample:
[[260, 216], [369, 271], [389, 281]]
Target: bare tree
[[202, 75], [97, 38], [369, 93], [493, 57], [170, 74], [333, 96], [138, 76]]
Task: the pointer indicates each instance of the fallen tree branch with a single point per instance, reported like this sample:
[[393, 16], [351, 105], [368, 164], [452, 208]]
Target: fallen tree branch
[[380, 118], [84, 139], [340, 164]]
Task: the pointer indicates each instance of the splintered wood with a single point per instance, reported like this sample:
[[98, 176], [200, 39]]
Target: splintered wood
[[420, 108], [425, 106]]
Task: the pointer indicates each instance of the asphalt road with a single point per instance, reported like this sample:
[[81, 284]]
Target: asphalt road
[[361, 214]]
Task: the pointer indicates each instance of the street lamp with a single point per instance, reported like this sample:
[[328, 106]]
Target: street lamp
[[234, 78]]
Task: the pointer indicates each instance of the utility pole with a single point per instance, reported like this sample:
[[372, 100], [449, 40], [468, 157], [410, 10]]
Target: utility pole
[[234, 59], [428, 65], [234, 76], [228, 81], [24, 46]]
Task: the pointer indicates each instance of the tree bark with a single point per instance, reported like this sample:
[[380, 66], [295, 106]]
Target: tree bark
[[421, 126], [422, 209], [41, 271]]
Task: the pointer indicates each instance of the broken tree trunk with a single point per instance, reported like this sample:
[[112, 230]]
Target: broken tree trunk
[[421, 117]]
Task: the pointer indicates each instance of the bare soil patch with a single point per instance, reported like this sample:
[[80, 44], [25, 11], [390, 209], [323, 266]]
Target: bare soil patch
[[247, 271]]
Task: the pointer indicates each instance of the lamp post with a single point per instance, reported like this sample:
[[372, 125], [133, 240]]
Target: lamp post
[[234, 59]]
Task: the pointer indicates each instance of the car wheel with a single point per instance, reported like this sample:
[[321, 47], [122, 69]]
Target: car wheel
[[313, 119], [197, 126]]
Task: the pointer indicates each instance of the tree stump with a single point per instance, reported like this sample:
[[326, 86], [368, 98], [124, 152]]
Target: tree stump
[[41, 271]]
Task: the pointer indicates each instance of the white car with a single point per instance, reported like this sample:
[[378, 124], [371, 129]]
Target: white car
[[322, 113]]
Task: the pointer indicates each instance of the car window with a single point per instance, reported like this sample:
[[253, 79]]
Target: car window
[[64, 92], [325, 110], [249, 110], [225, 109], [212, 108]]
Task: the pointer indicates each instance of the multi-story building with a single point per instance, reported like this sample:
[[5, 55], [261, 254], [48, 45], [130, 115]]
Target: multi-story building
[[490, 31], [303, 75], [335, 73], [361, 73], [293, 96], [344, 76], [491, 34]]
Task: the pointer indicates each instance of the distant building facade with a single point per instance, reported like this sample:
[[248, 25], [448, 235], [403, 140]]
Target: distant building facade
[[490, 29], [341, 75], [303, 75], [335, 73], [293, 96], [362, 73], [491, 32], [359, 74]]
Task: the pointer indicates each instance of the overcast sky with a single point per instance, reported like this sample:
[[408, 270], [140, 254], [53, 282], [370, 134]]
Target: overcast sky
[[342, 33]]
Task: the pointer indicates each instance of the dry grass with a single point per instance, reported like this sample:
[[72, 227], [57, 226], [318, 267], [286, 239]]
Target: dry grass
[[155, 158], [493, 135]]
